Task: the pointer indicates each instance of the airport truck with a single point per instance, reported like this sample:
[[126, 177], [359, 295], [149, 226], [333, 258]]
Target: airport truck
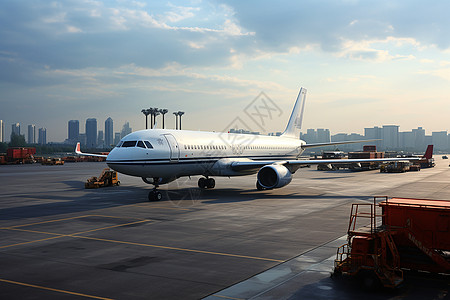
[[107, 178], [401, 234]]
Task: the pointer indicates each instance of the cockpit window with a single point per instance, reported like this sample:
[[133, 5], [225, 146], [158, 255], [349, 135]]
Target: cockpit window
[[140, 144], [147, 143], [129, 144], [119, 144]]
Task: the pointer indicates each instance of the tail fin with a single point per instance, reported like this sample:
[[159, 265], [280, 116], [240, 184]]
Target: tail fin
[[295, 121], [78, 148], [429, 153]]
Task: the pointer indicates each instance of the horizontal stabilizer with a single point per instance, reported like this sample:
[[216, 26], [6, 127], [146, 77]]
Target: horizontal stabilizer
[[78, 152]]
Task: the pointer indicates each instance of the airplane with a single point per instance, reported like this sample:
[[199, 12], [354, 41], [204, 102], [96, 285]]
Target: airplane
[[160, 156]]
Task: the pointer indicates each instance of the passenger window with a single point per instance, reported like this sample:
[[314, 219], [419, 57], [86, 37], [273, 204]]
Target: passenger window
[[128, 144], [140, 144], [147, 143]]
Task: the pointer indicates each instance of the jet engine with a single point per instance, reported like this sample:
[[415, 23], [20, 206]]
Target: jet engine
[[274, 176]]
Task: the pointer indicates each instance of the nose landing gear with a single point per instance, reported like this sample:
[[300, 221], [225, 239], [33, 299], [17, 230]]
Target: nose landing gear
[[153, 195], [206, 183]]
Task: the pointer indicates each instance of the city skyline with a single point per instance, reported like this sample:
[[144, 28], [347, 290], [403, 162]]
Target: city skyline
[[391, 136], [363, 63]]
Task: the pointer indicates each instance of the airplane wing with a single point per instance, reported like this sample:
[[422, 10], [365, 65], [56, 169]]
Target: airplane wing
[[336, 143], [294, 165], [78, 152]]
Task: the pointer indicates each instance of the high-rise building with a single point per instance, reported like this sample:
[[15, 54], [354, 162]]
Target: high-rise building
[[82, 138], [91, 133], [390, 137], [74, 131], [2, 131], [373, 133], [116, 138], [100, 141], [126, 129], [109, 133], [419, 138], [440, 140], [32, 134], [15, 129], [323, 135], [42, 138]]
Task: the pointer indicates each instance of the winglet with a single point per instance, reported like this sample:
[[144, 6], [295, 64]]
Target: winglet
[[295, 121], [429, 153]]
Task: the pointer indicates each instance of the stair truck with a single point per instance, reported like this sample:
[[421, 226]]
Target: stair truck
[[401, 234]]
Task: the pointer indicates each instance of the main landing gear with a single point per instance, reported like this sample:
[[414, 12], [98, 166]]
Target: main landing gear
[[206, 183]]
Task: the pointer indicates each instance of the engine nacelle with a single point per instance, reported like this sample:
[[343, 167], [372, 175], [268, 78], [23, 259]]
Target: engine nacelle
[[274, 176]]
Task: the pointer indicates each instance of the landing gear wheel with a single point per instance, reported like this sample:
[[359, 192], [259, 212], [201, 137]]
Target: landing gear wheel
[[154, 196], [259, 187], [210, 183], [202, 183]]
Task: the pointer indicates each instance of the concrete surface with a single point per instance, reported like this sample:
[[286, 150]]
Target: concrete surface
[[60, 241]]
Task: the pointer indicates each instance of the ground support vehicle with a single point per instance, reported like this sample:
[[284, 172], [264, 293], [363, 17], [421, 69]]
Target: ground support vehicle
[[18, 155], [52, 161], [331, 155], [402, 234], [396, 167], [369, 152], [107, 178]]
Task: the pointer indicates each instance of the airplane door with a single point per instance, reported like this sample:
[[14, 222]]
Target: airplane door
[[173, 145]]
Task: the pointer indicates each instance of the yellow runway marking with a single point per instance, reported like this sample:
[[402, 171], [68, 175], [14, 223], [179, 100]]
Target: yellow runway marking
[[59, 235], [178, 249], [225, 297], [29, 242], [37, 223], [58, 220], [78, 235], [52, 289]]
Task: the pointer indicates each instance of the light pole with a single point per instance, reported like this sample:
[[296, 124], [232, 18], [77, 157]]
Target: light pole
[[155, 113], [146, 112], [151, 110], [180, 113], [176, 119], [163, 112]]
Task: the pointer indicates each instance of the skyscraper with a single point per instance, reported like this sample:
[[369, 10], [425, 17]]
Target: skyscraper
[[91, 133], [2, 131], [126, 129], [15, 129], [32, 134], [109, 126], [74, 131], [100, 141], [42, 139]]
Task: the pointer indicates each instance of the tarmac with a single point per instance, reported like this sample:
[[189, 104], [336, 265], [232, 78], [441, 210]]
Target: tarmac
[[61, 241]]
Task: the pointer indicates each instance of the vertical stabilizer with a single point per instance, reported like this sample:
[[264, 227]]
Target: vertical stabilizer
[[295, 121], [429, 153]]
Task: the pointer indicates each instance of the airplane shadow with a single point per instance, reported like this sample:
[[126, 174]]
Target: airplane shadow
[[230, 195]]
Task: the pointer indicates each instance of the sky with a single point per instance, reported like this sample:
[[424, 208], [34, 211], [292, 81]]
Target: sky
[[363, 63]]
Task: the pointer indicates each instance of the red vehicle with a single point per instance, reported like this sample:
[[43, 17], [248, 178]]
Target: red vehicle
[[20, 155], [409, 234]]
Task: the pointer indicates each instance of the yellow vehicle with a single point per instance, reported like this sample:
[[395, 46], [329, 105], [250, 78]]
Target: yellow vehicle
[[52, 161], [107, 178]]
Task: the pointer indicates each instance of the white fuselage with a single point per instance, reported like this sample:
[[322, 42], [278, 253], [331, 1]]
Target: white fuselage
[[170, 154]]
